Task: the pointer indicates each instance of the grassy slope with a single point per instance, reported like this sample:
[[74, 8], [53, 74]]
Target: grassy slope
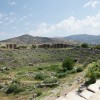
[[43, 58], [24, 57]]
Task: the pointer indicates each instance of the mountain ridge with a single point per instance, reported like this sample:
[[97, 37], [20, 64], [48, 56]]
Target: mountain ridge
[[91, 39], [27, 39], [78, 38]]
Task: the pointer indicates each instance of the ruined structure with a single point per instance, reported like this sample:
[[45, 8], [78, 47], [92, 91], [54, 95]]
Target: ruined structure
[[11, 46], [60, 45], [45, 45], [54, 45]]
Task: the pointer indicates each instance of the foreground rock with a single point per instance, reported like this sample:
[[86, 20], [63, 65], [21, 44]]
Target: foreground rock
[[90, 93]]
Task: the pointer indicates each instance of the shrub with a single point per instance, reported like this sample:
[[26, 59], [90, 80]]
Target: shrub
[[84, 45], [38, 92], [68, 64], [12, 88], [61, 74], [97, 74], [1, 86], [18, 90], [79, 69], [97, 47], [90, 81], [72, 71], [93, 73], [16, 81], [39, 76], [3, 47], [94, 70], [33, 46], [21, 47], [40, 68], [50, 80], [53, 68]]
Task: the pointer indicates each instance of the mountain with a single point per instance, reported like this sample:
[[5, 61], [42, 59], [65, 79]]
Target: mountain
[[92, 39], [73, 39], [28, 39]]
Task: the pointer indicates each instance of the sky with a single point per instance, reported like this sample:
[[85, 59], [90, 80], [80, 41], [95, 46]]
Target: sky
[[49, 18]]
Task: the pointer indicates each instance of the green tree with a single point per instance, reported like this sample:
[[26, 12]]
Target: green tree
[[33, 46], [84, 45], [68, 64]]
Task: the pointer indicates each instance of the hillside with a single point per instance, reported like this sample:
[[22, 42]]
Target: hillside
[[28, 39], [41, 71], [72, 39], [92, 39]]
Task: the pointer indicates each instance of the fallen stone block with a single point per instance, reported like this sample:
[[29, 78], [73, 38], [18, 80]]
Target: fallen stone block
[[94, 88], [86, 94]]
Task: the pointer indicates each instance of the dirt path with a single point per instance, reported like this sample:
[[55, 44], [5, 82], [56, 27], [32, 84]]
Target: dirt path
[[63, 89]]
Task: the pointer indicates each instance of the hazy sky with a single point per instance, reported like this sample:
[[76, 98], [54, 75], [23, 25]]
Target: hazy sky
[[49, 17]]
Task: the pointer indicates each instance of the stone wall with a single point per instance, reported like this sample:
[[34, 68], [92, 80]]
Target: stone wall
[[44, 46], [55, 45]]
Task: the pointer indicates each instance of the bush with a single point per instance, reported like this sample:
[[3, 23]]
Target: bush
[[97, 47], [68, 64], [12, 88], [1, 86], [33, 46], [18, 90], [21, 47], [94, 71], [39, 76], [84, 45], [40, 68], [61, 74], [16, 81], [90, 81], [97, 74], [3, 47], [38, 92], [72, 71], [79, 69], [50, 80], [53, 68]]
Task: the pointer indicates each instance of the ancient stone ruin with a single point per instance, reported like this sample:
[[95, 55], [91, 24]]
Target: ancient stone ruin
[[54, 45], [11, 46], [44, 45]]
